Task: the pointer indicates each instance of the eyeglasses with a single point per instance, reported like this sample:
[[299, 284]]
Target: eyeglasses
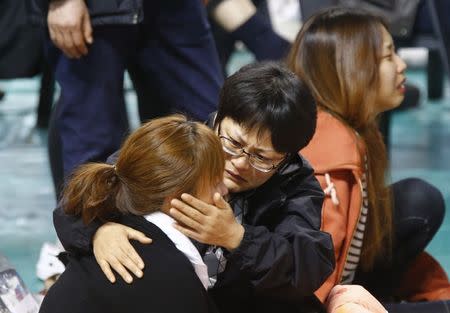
[[235, 149]]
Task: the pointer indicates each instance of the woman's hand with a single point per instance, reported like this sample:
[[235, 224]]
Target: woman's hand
[[212, 224], [351, 308], [112, 249], [352, 298]]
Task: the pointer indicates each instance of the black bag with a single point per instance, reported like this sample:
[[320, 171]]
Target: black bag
[[399, 14]]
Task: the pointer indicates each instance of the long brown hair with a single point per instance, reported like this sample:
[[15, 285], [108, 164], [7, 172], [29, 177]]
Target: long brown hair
[[161, 159], [337, 53]]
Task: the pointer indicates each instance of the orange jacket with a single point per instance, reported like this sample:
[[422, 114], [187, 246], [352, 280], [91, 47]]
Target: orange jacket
[[333, 151], [334, 154]]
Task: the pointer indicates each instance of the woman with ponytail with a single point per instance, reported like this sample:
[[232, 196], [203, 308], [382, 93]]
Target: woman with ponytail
[[161, 160], [379, 231]]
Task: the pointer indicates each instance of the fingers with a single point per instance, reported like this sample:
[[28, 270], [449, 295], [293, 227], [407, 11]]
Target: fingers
[[121, 270], [355, 295], [56, 37], [184, 219], [219, 201], [133, 264], [188, 232], [74, 45], [336, 290], [111, 246], [349, 308], [137, 235], [342, 298], [339, 296], [70, 27], [130, 255], [188, 211], [67, 45], [79, 46], [70, 39], [53, 36], [117, 263], [87, 29], [201, 206], [106, 269], [127, 255]]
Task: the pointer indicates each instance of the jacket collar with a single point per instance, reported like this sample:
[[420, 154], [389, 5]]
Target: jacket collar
[[334, 146]]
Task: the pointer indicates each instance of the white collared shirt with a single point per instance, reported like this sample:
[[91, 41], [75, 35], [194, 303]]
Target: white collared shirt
[[182, 242]]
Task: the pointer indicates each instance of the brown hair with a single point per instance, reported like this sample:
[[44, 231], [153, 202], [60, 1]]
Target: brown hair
[[163, 158], [337, 53]]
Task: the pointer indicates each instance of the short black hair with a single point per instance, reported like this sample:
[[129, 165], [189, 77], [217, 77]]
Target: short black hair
[[268, 96]]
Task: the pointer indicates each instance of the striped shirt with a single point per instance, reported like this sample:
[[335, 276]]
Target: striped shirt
[[354, 252]]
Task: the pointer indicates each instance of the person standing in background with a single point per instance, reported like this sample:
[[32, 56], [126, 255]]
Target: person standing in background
[[91, 43]]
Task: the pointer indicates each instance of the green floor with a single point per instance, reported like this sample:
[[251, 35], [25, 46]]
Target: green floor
[[420, 147]]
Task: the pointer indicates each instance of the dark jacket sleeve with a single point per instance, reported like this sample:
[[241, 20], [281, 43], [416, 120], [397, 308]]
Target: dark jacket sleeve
[[75, 236], [293, 253]]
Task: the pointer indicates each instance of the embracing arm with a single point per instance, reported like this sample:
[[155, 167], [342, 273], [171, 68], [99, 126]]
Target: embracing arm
[[75, 236], [110, 243]]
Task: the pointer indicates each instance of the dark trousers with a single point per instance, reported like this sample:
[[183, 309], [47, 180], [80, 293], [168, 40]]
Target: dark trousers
[[257, 34], [419, 307], [418, 213], [173, 61]]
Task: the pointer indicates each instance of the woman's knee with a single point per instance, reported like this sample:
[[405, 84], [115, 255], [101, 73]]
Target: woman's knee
[[422, 200]]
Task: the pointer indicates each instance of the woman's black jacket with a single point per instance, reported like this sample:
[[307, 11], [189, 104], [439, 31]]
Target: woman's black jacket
[[169, 284]]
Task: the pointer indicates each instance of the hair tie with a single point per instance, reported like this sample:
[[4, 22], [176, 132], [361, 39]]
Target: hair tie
[[113, 180]]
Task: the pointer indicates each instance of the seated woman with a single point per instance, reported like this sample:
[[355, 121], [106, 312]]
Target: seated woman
[[348, 60], [162, 159]]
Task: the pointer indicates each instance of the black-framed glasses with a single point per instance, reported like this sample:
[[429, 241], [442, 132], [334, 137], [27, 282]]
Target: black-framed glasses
[[235, 149]]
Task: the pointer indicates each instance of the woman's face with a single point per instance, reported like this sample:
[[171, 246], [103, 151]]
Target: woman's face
[[240, 175], [392, 76]]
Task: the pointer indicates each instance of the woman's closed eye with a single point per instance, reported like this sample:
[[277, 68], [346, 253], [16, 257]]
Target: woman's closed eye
[[262, 158], [235, 143]]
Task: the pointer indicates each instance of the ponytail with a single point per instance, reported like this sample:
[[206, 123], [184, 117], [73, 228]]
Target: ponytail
[[91, 192]]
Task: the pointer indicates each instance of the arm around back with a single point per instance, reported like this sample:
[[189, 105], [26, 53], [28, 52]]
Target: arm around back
[[75, 236], [169, 285]]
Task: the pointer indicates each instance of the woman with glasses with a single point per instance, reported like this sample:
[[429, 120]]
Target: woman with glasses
[[257, 161], [263, 246]]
